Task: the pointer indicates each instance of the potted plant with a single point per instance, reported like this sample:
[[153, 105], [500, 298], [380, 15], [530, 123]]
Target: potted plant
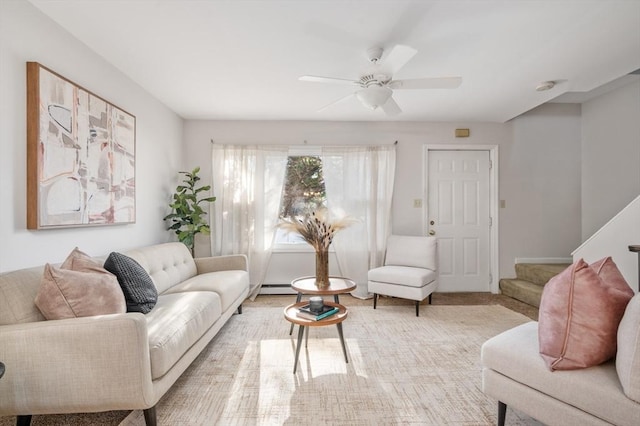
[[187, 214]]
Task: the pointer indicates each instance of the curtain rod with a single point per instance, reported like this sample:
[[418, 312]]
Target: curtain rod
[[305, 141]]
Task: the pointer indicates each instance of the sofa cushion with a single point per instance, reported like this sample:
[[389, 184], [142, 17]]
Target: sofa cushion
[[18, 289], [167, 264], [579, 315], [419, 252], [65, 293], [595, 390], [177, 322], [402, 275], [229, 285], [628, 356], [138, 288]]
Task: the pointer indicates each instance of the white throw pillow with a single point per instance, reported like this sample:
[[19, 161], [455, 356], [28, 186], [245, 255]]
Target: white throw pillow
[[628, 356]]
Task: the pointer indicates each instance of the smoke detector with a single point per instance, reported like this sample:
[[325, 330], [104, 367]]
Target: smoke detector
[[545, 85]]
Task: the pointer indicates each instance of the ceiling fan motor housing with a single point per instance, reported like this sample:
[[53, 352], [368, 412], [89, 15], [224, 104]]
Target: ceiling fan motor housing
[[374, 79]]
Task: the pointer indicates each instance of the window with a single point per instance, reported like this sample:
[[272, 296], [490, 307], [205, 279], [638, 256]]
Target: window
[[303, 192]]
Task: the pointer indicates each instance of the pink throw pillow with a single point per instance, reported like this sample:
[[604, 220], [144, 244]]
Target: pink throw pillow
[[579, 315], [79, 288]]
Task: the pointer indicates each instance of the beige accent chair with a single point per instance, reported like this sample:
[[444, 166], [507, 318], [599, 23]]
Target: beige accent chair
[[409, 271]]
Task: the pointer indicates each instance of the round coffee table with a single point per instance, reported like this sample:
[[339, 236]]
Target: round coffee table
[[337, 286], [307, 285], [291, 314]]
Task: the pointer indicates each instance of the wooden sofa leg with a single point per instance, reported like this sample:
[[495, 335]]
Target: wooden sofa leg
[[417, 308], [239, 309], [430, 297], [375, 300], [23, 420], [502, 413], [150, 416]]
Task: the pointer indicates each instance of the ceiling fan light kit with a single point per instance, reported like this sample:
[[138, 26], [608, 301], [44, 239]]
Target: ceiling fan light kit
[[374, 96], [376, 85]]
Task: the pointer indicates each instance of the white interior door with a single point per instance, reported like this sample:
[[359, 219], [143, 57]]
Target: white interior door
[[458, 215]]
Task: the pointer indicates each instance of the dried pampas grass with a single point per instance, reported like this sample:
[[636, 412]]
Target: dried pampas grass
[[317, 229]]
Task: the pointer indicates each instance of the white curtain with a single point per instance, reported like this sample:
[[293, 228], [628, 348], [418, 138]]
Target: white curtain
[[359, 183], [247, 181]]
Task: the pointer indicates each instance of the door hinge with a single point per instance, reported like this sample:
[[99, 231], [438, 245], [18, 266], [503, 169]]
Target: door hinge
[[490, 278], [490, 164], [490, 221]]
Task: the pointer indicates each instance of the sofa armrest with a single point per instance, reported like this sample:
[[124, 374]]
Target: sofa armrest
[[234, 262], [76, 365]]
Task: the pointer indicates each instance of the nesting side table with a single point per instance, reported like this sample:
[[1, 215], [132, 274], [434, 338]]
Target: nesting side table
[[291, 314]]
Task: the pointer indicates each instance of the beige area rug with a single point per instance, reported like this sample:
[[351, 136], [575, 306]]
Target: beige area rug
[[402, 370]]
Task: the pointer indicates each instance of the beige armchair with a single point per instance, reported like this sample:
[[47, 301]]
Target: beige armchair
[[409, 271]]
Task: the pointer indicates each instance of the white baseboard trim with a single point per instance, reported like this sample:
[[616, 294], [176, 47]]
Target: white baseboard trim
[[277, 289], [544, 260]]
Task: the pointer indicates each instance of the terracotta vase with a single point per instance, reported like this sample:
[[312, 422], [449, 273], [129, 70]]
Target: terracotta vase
[[322, 269]]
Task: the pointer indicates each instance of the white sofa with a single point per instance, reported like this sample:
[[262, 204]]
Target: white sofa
[[514, 373], [119, 361]]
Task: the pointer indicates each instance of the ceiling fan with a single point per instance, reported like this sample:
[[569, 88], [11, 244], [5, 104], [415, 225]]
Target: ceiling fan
[[375, 86]]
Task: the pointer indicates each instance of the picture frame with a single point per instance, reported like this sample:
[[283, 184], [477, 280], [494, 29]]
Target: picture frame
[[80, 155]]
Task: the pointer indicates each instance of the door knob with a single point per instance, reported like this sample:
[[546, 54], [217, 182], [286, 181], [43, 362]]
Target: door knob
[[432, 232]]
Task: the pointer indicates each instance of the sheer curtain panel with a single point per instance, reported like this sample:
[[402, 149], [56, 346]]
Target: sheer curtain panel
[[247, 181], [359, 182]]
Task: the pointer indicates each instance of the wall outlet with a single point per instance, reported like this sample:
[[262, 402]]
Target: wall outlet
[[417, 203]]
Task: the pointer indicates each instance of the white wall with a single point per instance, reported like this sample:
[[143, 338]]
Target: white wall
[[526, 172], [610, 155], [28, 35], [540, 183], [614, 239]]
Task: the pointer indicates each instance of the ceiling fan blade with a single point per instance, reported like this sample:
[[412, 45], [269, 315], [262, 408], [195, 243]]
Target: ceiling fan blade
[[319, 79], [391, 107], [342, 99], [397, 58], [426, 83]]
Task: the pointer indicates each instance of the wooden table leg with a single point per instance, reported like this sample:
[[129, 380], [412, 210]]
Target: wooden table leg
[[344, 349], [298, 298], [300, 333]]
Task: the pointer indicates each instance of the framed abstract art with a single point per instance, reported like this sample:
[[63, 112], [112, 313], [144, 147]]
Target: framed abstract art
[[80, 155]]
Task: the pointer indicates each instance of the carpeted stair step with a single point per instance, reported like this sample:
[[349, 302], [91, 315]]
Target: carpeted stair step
[[524, 291], [538, 273], [530, 280]]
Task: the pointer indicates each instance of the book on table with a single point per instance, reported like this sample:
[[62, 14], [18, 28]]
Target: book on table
[[306, 313]]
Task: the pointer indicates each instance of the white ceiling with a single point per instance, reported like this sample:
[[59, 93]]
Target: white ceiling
[[240, 60]]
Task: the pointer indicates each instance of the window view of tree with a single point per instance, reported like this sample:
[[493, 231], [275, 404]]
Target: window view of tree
[[303, 192], [304, 189]]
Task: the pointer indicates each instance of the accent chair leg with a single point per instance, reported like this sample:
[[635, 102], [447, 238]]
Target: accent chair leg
[[23, 420], [375, 300], [417, 308], [150, 416], [240, 309], [502, 413]]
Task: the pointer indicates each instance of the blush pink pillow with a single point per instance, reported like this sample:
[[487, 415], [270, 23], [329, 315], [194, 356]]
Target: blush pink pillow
[[79, 288], [579, 315]]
